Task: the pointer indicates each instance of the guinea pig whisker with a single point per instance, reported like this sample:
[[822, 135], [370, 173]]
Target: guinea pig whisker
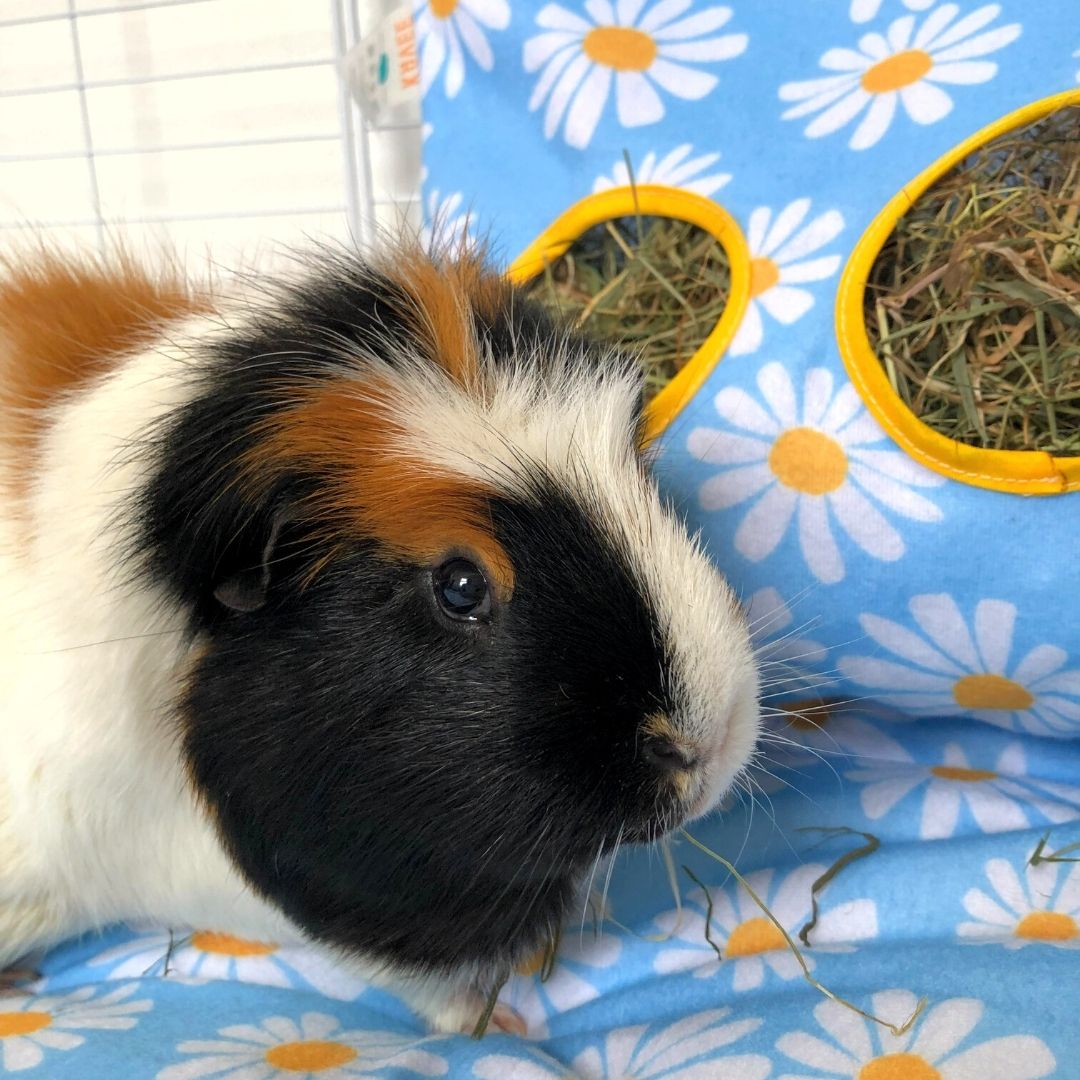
[[765, 663], [115, 640], [821, 755], [588, 889], [761, 624], [757, 767], [610, 870], [764, 801]]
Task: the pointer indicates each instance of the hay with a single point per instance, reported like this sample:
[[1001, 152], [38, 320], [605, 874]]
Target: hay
[[1062, 855], [655, 285], [480, 1030], [872, 844], [973, 304], [896, 1029]]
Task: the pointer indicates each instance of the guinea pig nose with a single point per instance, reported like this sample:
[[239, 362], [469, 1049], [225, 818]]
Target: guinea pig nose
[[664, 755]]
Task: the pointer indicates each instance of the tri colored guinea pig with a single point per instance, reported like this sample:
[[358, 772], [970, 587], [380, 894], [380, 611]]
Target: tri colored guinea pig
[[341, 609]]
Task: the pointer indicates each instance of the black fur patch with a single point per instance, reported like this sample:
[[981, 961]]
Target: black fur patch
[[423, 791], [428, 792]]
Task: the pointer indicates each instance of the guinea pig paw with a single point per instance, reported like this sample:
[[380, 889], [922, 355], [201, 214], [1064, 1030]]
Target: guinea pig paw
[[505, 1020]]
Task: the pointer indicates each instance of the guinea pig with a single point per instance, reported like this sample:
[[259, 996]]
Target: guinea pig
[[343, 609]]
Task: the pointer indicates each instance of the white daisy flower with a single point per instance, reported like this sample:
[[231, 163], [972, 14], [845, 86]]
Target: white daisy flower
[[569, 984], [944, 669], [675, 169], [819, 462], [1025, 912], [864, 10], [685, 1050], [778, 264], [446, 224], [536, 1066], [444, 26], [905, 65], [1000, 799], [207, 954], [314, 1049], [31, 1024], [750, 943], [636, 45], [858, 1049]]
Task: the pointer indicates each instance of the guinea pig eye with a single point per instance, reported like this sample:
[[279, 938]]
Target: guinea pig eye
[[462, 590]]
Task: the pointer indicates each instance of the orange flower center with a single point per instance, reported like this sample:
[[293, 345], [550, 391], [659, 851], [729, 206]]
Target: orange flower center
[[313, 1055], [896, 72], [965, 776], [991, 692], [1047, 926], [764, 274], [442, 9], [808, 461], [23, 1023], [227, 945], [899, 1067], [752, 937], [620, 47]]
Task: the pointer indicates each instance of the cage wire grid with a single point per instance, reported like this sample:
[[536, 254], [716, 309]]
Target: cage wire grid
[[120, 55]]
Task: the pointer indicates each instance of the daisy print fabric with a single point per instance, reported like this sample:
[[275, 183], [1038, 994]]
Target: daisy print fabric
[[785, 257], [818, 465], [454, 33], [315, 1046], [945, 664], [726, 932], [210, 954], [909, 65], [864, 10], [34, 1030], [638, 51], [681, 168], [940, 1046], [1000, 798], [1036, 904]]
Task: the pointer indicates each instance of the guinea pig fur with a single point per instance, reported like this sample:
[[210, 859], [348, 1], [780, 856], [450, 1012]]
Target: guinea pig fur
[[342, 610]]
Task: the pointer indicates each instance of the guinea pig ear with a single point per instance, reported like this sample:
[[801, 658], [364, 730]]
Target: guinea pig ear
[[246, 590]]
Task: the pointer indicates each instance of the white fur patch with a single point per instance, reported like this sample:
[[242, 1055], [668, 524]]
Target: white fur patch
[[97, 822]]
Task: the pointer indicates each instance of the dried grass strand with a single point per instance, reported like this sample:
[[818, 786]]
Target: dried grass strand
[[973, 303], [897, 1029]]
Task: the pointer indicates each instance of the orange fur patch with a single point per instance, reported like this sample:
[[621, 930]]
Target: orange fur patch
[[442, 295], [64, 324], [372, 488], [344, 432]]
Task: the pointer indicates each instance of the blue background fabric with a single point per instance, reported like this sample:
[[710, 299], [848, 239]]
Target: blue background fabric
[[919, 606]]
